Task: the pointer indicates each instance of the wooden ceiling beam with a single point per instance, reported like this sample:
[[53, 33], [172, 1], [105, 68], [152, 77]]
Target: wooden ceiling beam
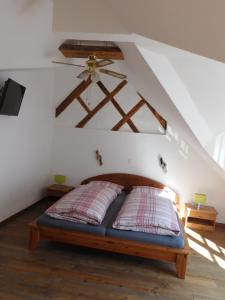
[[160, 119], [117, 106], [128, 115], [84, 121], [82, 51], [74, 94]]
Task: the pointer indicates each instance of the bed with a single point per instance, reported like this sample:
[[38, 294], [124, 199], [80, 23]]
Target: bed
[[104, 237]]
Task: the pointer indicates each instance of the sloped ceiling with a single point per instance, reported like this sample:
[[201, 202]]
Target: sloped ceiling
[[196, 26]]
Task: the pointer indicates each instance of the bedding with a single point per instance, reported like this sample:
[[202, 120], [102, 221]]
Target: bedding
[[99, 229], [171, 241], [118, 188], [105, 228], [86, 204], [148, 210]]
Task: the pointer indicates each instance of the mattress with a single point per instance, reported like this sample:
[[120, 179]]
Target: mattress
[[112, 211], [105, 228], [162, 240]]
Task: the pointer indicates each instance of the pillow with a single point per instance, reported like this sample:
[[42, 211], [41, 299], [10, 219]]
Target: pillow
[[144, 210], [85, 204], [114, 186], [166, 192]]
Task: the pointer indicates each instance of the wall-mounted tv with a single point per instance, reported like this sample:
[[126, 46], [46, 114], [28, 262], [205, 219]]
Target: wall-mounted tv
[[11, 96]]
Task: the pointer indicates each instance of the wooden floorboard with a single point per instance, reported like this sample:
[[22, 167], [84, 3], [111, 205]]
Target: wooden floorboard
[[58, 271]]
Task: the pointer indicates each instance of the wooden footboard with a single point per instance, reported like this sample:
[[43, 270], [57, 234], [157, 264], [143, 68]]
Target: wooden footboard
[[151, 251]]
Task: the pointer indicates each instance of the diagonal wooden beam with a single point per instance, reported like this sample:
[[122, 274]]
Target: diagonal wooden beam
[[128, 115], [160, 119], [117, 106], [84, 121], [74, 94], [83, 104]]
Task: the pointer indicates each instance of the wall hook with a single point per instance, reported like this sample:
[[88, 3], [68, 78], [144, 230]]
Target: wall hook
[[162, 164], [98, 157]]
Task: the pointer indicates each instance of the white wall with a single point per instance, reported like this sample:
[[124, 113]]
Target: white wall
[[25, 151], [188, 169], [26, 33]]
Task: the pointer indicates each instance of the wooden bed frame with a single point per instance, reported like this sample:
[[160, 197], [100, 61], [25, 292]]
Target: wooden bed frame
[[152, 251]]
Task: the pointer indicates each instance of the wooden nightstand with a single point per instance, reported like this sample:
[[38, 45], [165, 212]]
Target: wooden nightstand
[[203, 218], [58, 190]]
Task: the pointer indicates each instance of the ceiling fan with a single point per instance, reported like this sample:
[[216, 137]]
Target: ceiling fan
[[93, 66]]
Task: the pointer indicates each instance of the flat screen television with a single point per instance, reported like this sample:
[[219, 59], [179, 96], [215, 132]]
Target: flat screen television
[[11, 98]]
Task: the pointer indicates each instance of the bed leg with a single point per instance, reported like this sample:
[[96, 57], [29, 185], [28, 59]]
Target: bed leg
[[34, 238], [181, 263]]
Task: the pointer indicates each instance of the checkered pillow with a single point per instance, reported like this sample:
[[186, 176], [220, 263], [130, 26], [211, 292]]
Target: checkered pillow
[[114, 186], [85, 204], [146, 211]]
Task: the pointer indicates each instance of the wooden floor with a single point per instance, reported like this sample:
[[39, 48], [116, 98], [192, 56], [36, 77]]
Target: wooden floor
[[57, 271]]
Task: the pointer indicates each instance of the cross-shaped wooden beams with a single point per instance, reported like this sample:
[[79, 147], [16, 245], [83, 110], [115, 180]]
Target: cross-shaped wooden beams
[[109, 97], [73, 95], [101, 104]]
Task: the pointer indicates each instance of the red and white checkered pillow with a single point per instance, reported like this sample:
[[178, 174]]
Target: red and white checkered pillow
[[148, 210], [114, 186], [85, 204]]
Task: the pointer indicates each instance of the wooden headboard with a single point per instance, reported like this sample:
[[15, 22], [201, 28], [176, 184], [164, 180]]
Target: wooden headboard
[[128, 181]]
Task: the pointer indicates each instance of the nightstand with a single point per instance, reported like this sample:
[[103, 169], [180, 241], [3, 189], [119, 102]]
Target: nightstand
[[58, 190], [203, 218]]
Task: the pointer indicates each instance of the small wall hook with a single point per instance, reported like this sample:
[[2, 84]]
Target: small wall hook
[[98, 157], [162, 164]]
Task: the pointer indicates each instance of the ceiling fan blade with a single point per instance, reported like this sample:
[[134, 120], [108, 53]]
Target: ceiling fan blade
[[68, 64], [112, 73], [84, 75], [104, 62]]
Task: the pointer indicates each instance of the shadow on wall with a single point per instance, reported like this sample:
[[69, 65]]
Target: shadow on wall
[[219, 150], [183, 147]]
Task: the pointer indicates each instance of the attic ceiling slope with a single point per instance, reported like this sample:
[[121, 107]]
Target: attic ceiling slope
[[196, 26]]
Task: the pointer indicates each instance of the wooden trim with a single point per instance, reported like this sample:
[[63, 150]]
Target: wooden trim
[[84, 121], [130, 180], [159, 118], [83, 104], [74, 94], [128, 115], [150, 251], [83, 51], [220, 225], [126, 180], [9, 219], [117, 106]]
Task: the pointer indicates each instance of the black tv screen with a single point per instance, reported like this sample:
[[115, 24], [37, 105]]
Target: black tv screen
[[11, 98]]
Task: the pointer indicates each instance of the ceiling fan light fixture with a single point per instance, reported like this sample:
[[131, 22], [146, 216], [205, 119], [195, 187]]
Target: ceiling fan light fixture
[[84, 75], [95, 77]]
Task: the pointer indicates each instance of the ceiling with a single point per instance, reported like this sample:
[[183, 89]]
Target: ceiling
[[196, 26]]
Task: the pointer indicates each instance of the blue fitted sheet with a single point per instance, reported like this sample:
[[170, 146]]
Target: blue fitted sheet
[[112, 211], [105, 229], [150, 238]]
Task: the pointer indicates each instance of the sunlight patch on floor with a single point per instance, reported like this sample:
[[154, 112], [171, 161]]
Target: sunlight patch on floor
[[194, 234], [200, 249], [205, 247], [212, 245], [220, 261]]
